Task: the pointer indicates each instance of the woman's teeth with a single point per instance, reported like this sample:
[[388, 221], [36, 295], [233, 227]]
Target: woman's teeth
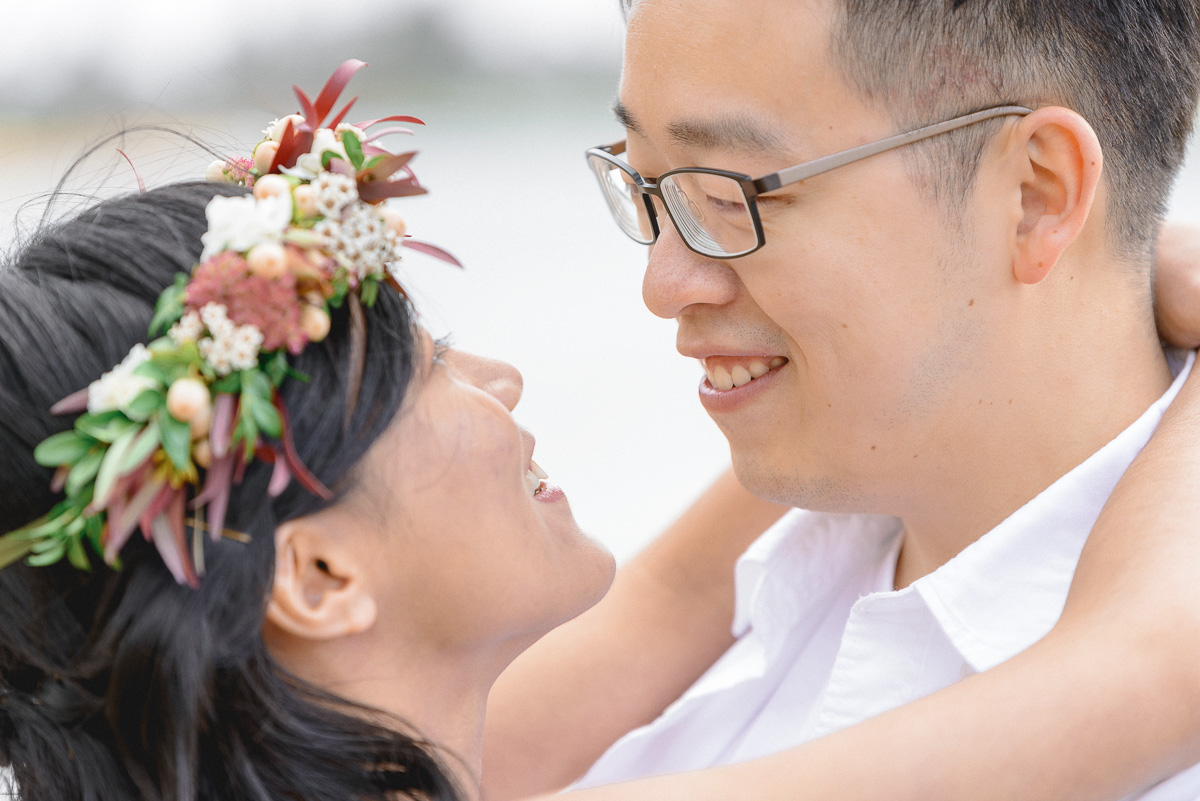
[[533, 477], [741, 374]]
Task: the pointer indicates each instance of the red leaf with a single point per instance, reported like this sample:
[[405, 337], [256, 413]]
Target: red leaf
[[301, 473], [280, 478], [120, 527], [394, 118], [386, 168], [341, 167], [306, 106], [431, 250], [341, 115], [385, 132], [168, 536], [224, 413], [155, 509], [374, 191], [217, 484], [334, 86], [287, 143], [75, 403]]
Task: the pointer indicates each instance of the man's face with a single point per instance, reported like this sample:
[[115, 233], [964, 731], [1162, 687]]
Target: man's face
[[871, 292]]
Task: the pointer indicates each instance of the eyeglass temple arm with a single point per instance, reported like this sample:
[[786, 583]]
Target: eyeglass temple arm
[[812, 168]]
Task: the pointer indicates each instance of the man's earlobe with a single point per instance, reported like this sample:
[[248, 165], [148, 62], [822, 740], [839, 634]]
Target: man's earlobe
[[1062, 163], [319, 592]]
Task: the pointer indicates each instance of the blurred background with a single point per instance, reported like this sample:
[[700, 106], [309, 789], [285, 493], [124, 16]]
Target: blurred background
[[512, 94]]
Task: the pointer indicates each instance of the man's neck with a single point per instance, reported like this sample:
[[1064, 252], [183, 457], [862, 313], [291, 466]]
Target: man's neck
[[1063, 398]]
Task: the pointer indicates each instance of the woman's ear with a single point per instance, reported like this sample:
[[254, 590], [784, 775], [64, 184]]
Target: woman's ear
[[1061, 164], [320, 591]]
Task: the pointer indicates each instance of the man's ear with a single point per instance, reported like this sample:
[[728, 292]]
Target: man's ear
[[1061, 165], [320, 591]]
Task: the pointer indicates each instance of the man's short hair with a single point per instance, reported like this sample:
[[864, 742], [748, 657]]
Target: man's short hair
[[1130, 67]]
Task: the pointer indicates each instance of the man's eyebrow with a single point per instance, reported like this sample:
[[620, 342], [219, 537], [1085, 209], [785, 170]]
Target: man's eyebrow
[[625, 117], [733, 132]]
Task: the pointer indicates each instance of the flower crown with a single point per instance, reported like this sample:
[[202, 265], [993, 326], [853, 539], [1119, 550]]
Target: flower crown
[[187, 413]]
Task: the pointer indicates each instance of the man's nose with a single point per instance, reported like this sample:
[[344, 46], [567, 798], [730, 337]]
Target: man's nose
[[499, 379], [677, 277]]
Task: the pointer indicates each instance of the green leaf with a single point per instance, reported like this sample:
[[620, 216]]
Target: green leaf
[[145, 405], [49, 557], [155, 372], [371, 162], [370, 292], [78, 556], [65, 448], [58, 517], [176, 437], [169, 308], [256, 384], [341, 286], [230, 384], [277, 367], [85, 470], [170, 355], [12, 548], [106, 426], [95, 532], [267, 418], [142, 447], [353, 148], [110, 468]]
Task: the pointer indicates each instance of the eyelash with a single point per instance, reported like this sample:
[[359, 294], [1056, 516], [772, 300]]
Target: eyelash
[[440, 346]]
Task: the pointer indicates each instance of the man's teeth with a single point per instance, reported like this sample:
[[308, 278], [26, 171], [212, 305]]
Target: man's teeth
[[533, 477], [740, 375]]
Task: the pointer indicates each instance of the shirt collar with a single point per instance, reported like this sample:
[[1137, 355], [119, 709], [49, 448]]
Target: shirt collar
[[1006, 590]]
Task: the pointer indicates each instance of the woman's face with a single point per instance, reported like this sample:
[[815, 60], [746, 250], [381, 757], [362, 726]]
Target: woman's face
[[479, 552]]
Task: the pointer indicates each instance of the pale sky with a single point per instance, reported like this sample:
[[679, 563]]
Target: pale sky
[[148, 43]]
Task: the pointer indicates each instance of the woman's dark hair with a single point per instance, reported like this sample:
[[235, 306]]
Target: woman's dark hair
[[124, 684]]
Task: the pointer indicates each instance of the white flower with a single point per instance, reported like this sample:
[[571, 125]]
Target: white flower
[[188, 329], [360, 240], [275, 128], [334, 193], [323, 140], [216, 319], [117, 388], [231, 347], [240, 223]]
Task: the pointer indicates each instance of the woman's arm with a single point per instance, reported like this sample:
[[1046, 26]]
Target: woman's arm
[[563, 702], [1107, 703]]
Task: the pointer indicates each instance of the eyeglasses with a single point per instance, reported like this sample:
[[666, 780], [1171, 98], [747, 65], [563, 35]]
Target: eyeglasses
[[716, 212]]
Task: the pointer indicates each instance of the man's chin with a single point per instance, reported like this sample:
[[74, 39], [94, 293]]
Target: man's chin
[[792, 485]]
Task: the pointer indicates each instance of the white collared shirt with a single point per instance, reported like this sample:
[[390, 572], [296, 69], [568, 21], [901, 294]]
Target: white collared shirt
[[824, 642]]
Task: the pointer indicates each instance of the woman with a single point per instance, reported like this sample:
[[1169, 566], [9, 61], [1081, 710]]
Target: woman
[[308, 642]]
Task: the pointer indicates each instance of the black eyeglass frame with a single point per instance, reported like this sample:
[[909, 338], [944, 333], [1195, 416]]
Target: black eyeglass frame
[[753, 187]]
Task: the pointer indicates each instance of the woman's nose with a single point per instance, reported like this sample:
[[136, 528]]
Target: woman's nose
[[499, 379]]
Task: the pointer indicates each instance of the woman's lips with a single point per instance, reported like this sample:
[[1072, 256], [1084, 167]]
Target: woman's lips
[[731, 382]]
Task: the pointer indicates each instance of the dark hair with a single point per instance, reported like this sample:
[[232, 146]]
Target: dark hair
[[1130, 67], [124, 684]]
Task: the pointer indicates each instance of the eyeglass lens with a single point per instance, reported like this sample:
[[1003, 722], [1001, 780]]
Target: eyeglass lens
[[710, 211]]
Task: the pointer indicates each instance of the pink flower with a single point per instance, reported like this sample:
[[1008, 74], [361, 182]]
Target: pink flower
[[272, 305]]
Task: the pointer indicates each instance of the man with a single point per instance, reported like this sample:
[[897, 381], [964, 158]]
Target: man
[[945, 349]]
